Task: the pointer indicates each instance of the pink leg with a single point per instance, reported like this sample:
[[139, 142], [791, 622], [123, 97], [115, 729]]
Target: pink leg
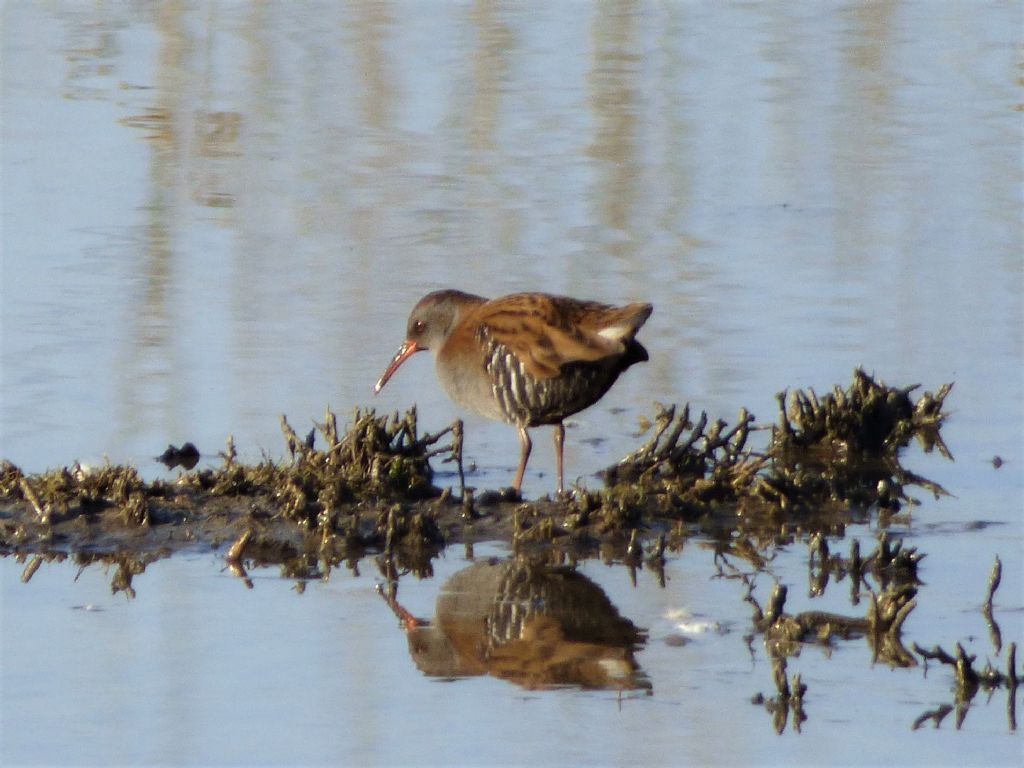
[[524, 454], [559, 464]]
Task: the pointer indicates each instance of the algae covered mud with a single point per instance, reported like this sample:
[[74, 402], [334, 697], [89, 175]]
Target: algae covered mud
[[371, 489], [744, 492]]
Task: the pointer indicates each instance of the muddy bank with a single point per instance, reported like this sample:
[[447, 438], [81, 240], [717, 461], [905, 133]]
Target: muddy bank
[[826, 461]]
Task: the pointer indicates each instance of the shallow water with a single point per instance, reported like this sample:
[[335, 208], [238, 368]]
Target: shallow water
[[213, 214], [197, 669]]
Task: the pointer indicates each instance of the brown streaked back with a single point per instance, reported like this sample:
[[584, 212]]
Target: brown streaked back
[[547, 332]]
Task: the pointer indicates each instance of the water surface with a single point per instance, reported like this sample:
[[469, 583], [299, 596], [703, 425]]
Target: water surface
[[217, 213]]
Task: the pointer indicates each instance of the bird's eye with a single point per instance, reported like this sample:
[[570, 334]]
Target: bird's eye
[[418, 326]]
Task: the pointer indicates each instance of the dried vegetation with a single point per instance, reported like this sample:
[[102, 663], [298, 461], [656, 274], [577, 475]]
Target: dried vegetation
[[372, 486]]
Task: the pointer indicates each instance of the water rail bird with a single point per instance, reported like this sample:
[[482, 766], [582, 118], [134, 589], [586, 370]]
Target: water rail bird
[[527, 359]]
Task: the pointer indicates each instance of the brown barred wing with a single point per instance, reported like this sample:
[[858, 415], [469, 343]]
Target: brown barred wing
[[548, 332]]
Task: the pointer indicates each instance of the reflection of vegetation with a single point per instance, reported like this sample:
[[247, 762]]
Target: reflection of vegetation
[[887, 610], [126, 566], [969, 680], [786, 634], [790, 698]]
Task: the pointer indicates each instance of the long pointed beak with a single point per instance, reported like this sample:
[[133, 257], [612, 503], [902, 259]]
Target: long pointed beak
[[404, 353]]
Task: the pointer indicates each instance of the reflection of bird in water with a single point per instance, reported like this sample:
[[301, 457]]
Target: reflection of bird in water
[[527, 622]]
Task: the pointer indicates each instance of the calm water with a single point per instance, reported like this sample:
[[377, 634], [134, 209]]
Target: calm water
[[199, 670], [217, 213]]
